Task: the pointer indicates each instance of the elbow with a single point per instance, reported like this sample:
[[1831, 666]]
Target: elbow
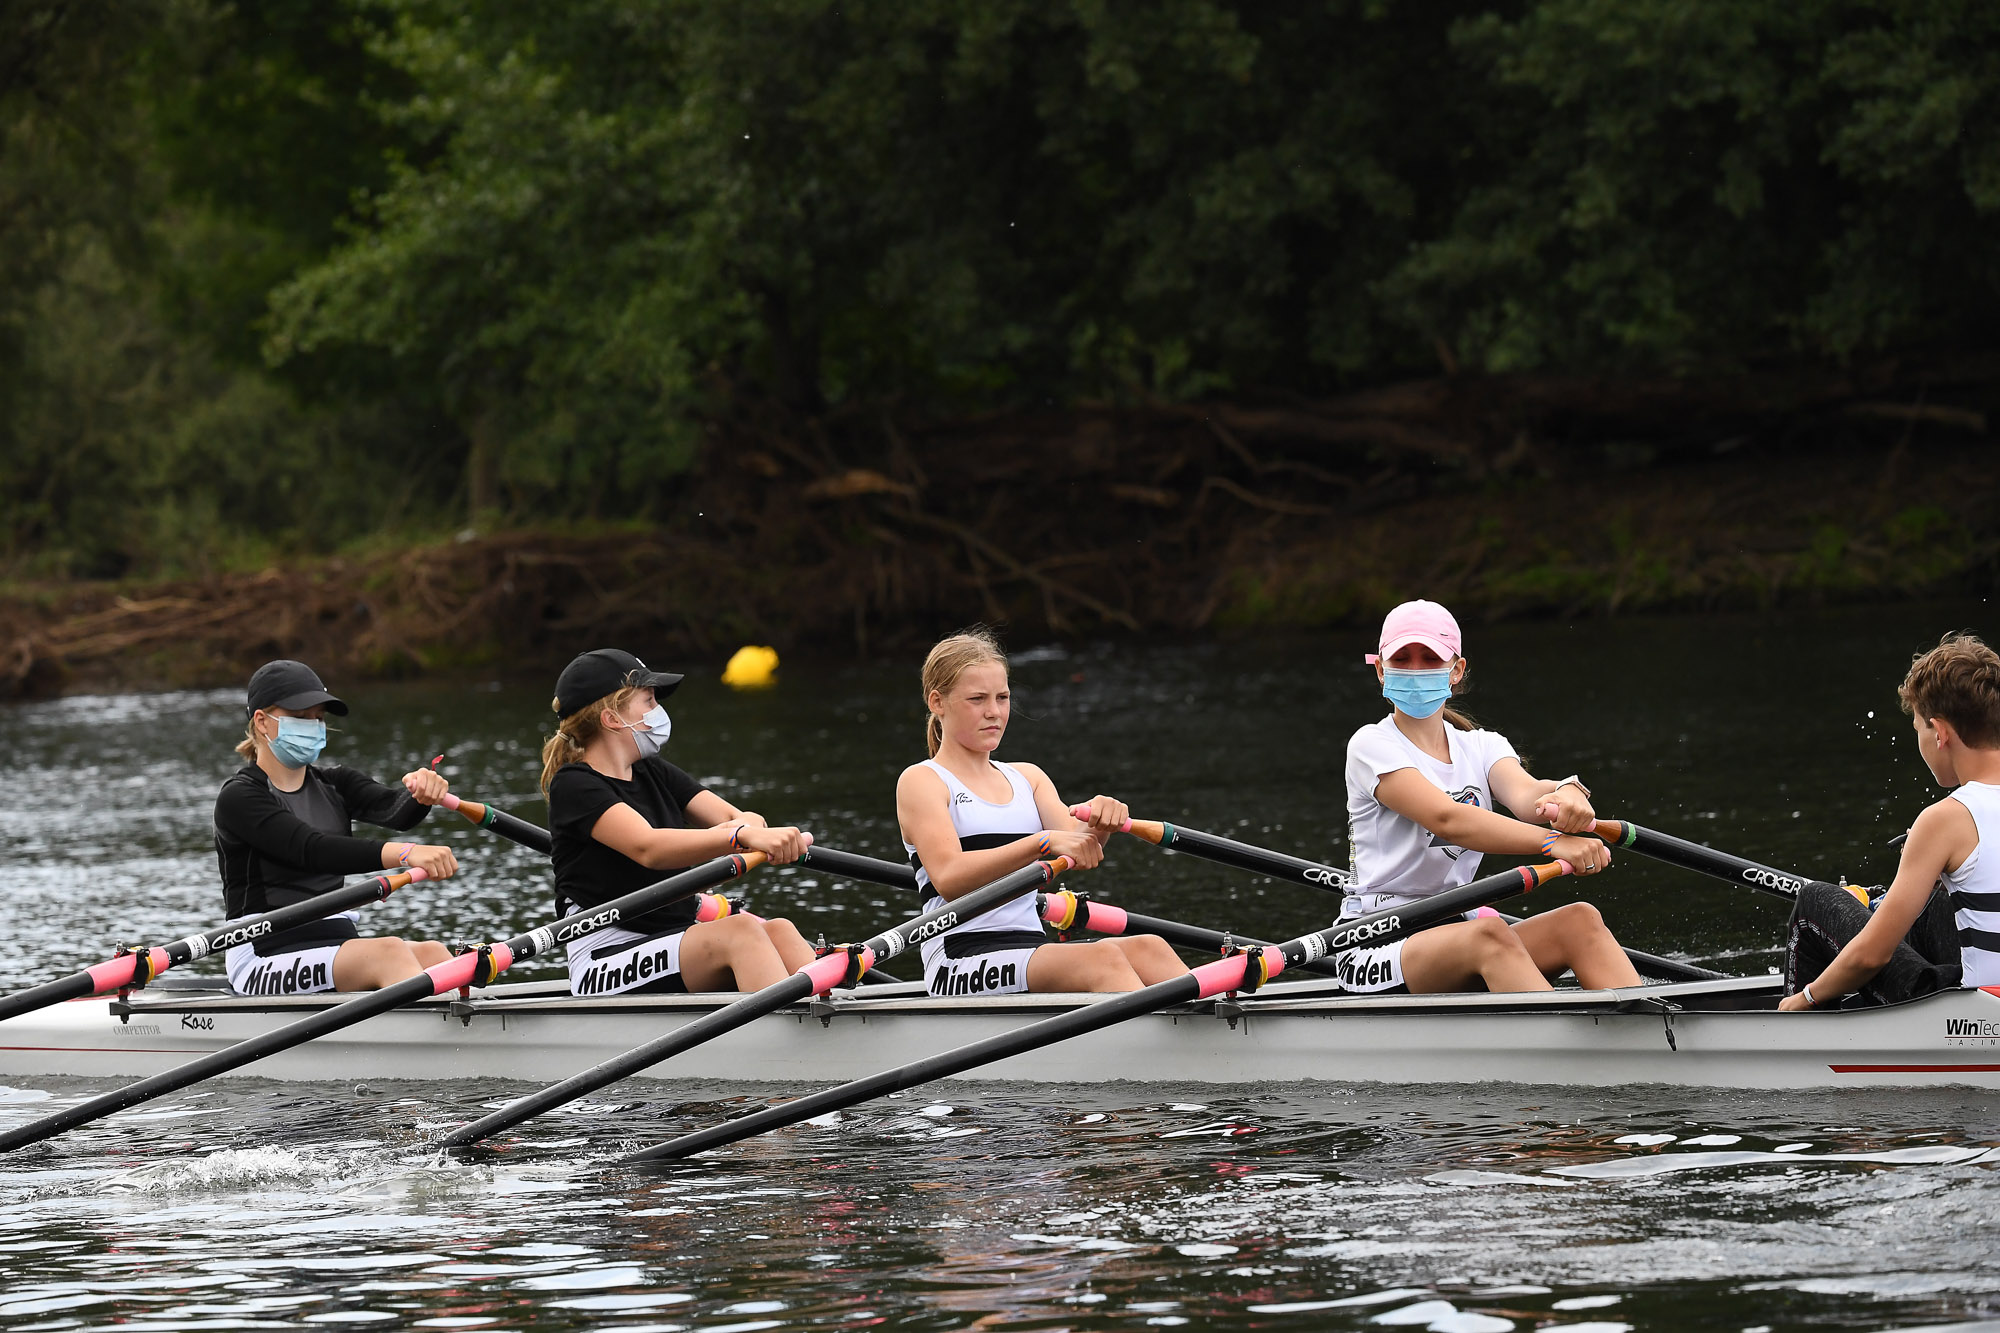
[[1872, 959]]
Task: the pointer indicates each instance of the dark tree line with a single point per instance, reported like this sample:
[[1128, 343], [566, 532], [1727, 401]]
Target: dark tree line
[[280, 275]]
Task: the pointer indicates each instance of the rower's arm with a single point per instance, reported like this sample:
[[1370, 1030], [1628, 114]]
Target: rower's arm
[[1942, 838], [923, 810], [625, 831], [1525, 794], [1415, 797]]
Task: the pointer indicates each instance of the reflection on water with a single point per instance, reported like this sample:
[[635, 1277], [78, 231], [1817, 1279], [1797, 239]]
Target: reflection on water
[[249, 1204]]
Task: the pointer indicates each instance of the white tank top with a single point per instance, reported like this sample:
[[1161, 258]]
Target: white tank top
[[981, 824], [1975, 889]]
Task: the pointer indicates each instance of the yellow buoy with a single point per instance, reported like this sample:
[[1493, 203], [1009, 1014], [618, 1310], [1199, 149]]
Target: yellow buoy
[[751, 668]]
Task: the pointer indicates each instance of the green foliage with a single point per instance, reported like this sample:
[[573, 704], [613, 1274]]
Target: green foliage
[[261, 264]]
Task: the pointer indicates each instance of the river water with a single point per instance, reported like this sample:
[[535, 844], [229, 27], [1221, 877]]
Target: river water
[[246, 1203]]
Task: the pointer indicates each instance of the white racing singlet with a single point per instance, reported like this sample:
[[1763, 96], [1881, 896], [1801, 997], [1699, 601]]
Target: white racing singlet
[[1975, 889], [980, 824]]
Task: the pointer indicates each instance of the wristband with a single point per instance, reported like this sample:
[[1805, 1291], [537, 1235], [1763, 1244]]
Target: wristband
[[1548, 844], [404, 859], [1042, 844], [736, 837], [1806, 990]]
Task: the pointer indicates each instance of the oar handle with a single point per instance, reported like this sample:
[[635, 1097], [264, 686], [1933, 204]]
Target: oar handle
[[511, 827]]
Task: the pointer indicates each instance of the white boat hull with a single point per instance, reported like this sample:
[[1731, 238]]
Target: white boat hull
[[1709, 1034]]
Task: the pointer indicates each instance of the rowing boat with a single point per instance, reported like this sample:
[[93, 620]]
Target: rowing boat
[[1699, 1034]]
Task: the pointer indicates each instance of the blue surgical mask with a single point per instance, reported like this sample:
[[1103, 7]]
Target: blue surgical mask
[[1417, 693], [652, 730], [299, 741]]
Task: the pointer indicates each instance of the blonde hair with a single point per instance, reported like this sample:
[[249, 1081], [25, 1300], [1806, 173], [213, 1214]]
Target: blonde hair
[[952, 658], [247, 747], [576, 731]]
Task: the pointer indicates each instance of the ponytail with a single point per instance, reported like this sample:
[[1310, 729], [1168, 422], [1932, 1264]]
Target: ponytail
[[247, 747], [576, 731], [949, 660]]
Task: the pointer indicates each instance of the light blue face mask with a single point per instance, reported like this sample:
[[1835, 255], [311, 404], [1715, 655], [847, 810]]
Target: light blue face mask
[[299, 741], [1416, 693], [652, 731]]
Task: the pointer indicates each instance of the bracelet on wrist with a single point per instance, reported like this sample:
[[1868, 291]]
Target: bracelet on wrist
[[1042, 845], [1806, 990], [1549, 843], [404, 859], [736, 837]]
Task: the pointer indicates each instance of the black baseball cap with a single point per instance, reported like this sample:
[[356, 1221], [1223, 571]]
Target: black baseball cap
[[603, 671], [290, 685]]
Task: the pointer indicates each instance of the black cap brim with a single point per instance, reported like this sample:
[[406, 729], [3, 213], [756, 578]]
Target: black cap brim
[[298, 703], [661, 683]]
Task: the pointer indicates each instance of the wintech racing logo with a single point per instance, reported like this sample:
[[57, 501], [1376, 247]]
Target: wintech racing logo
[[1968, 1031], [1464, 796]]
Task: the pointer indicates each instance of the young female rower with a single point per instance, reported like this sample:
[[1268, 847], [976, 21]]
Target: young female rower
[[1422, 787], [284, 827], [967, 819], [1938, 927], [621, 817]]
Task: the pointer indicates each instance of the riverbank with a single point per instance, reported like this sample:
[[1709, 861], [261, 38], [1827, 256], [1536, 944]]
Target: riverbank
[[854, 560]]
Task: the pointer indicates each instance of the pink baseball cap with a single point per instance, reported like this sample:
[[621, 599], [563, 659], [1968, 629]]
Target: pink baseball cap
[[1418, 622]]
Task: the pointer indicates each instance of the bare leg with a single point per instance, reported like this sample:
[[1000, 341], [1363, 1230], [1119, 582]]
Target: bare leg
[[1448, 958], [374, 963], [430, 953], [1150, 957], [793, 951], [1575, 938], [731, 954], [1095, 965]]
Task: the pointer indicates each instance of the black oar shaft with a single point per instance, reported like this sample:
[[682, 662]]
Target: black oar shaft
[[893, 874], [1706, 860], [1209, 979], [817, 976], [512, 827], [1241, 855], [1102, 919], [133, 970], [449, 975]]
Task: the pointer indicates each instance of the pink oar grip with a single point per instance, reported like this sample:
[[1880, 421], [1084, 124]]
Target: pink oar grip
[[1224, 974], [118, 973], [712, 907], [454, 973], [450, 801], [1083, 812], [830, 971], [1105, 919]]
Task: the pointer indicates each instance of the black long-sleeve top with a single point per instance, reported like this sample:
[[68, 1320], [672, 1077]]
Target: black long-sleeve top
[[277, 848]]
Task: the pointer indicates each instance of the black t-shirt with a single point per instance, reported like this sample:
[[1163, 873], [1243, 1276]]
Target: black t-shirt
[[588, 872], [277, 848]]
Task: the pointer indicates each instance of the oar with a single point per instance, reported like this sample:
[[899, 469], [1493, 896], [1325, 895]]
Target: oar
[[843, 967], [532, 836], [1066, 910], [1243, 856], [894, 874], [129, 971], [473, 968], [1694, 856], [1238, 972]]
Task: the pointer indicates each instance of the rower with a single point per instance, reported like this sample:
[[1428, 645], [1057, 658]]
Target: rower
[[1422, 787], [1938, 926], [284, 832], [967, 819], [622, 817]]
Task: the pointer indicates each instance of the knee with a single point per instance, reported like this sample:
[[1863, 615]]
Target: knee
[[1583, 917], [781, 928], [1109, 968], [1494, 939], [429, 953]]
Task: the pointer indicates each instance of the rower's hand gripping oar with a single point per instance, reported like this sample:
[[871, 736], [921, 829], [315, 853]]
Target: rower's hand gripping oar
[[1244, 971], [843, 967], [473, 968], [1243, 856], [130, 971]]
